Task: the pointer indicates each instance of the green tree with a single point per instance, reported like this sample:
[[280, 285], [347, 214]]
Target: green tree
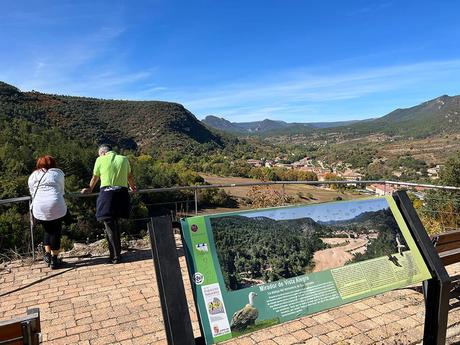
[[450, 173]]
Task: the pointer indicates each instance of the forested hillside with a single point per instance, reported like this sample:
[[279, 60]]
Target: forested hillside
[[260, 249], [165, 143], [437, 116], [144, 125], [264, 249], [22, 141]]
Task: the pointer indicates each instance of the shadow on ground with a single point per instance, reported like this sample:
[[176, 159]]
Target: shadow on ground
[[129, 256]]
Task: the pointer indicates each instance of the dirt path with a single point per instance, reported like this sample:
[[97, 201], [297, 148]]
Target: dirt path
[[338, 256]]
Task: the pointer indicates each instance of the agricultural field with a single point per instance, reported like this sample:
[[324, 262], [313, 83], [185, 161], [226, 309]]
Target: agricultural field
[[310, 194]]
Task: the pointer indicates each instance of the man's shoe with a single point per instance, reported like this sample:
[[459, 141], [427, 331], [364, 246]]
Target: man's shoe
[[116, 261]]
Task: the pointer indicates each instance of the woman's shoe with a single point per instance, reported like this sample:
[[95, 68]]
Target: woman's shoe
[[47, 258], [55, 262]]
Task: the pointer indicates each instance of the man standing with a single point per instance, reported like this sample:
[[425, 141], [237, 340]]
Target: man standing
[[113, 201]]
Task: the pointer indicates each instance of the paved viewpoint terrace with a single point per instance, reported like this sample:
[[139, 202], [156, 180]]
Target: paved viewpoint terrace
[[91, 302]]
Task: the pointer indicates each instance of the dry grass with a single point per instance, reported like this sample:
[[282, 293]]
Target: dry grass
[[299, 193]]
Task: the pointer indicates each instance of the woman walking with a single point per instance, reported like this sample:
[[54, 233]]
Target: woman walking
[[46, 185]]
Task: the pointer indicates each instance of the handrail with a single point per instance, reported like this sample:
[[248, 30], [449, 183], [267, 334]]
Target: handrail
[[433, 186], [248, 184]]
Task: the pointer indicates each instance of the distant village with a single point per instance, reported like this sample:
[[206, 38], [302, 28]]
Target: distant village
[[343, 171]]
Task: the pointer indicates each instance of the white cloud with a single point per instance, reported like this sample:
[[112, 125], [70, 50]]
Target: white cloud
[[295, 93], [81, 67]]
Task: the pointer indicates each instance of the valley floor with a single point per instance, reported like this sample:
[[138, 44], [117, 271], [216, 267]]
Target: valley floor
[[318, 194], [337, 257]]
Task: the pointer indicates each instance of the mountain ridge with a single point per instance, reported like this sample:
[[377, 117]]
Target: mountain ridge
[[435, 116], [266, 125]]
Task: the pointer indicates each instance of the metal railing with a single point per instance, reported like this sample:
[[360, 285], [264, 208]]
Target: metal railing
[[251, 184], [197, 188]]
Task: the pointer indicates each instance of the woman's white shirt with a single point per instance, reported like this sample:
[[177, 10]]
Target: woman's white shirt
[[48, 203]]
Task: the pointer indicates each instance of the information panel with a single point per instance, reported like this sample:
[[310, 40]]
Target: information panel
[[254, 269]]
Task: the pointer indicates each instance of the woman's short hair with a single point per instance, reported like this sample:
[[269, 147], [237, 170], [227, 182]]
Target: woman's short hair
[[46, 162]]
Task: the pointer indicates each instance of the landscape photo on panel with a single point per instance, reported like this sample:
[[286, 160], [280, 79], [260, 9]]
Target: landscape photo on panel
[[264, 246]]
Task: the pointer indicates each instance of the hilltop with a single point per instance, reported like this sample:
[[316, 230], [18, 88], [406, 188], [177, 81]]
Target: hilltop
[[267, 127], [128, 124], [437, 116]]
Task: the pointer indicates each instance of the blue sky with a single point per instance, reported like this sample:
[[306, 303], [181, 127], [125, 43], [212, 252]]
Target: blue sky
[[291, 60], [323, 212]]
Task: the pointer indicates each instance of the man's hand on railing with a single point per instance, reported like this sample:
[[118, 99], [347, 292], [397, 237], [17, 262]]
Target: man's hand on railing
[[86, 190]]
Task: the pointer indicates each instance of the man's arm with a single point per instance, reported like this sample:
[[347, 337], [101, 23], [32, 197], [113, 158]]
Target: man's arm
[[131, 183], [92, 184]]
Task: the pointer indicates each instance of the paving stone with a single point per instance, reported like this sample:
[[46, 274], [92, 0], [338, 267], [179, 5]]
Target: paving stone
[[123, 335], [108, 339], [314, 341], [244, 341], [332, 326], [361, 339], [286, 339], [88, 335], [327, 340], [280, 330], [377, 334], [358, 316], [334, 337], [366, 325], [78, 329], [344, 321], [370, 313], [267, 342], [323, 318], [261, 335], [73, 339], [308, 321], [302, 335], [382, 309], [317, 330], [293, 326]]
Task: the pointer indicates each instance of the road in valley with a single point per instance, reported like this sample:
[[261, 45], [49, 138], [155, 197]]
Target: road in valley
[[336, 257]]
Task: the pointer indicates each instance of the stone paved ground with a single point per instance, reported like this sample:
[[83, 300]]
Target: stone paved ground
[[90, 302]]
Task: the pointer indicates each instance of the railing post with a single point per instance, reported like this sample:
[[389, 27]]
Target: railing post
[[31, 221], [196, 201]]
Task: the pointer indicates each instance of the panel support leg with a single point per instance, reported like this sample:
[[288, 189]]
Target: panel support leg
[[436, 311], [178, 325]]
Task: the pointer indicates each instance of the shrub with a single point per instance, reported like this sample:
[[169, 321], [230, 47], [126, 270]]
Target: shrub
[[66, 243], [267, 196]]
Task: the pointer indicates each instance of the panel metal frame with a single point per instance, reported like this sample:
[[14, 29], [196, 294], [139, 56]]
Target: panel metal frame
[[174, 306], [436, 289]]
